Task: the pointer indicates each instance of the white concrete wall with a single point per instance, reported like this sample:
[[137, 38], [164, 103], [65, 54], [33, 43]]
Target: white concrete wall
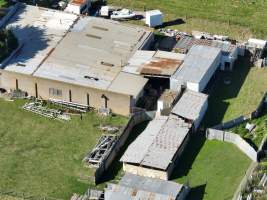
[[142, 171], [193, 86], [210, 72], [231, 59]]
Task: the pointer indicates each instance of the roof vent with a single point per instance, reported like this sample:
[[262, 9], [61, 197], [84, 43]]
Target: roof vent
[[21, 64], [92, 78], [100, 28], [107, 64], [93, 36]]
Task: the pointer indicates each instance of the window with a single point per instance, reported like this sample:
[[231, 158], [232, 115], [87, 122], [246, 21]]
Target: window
[[55, 92]]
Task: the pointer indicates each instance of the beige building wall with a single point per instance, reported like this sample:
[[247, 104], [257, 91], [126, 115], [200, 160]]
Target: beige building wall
[[118, 103], [142, 171]]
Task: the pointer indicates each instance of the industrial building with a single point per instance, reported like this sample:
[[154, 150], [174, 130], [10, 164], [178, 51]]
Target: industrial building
[[191, 107], [75, 59], [200, 64], [229, 54], [133, 187], [157, 149]]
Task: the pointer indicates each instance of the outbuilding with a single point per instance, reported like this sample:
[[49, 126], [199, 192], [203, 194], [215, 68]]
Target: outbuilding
[[200, 64], [78, 6], [154, 18], [74, 59], [158, 148], [133, 187], [192, 107]]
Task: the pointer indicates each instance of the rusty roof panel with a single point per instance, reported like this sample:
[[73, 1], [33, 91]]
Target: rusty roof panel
[[160, 66]]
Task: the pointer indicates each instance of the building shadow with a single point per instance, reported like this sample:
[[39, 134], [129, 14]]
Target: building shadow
[[178, 21], [184, 164], [197, 193], [116, 167], [220, 92], [31, 39]]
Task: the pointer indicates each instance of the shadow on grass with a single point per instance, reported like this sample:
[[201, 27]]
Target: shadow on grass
[[116, 167], [187, 159], [220, 92], [197, 193], [171, 23]]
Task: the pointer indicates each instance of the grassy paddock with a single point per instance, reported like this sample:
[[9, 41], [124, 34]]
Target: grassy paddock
[[241, 97], [43, 157], [3, 3], [213, 169], [234, 18], [258, 134]]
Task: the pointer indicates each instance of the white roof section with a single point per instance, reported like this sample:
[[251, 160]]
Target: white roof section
[[137, 187], [161, 139], [92, 55], [153, 12], [128, 84], [190, 104], [196, 64], [38, 31], [257, 43]]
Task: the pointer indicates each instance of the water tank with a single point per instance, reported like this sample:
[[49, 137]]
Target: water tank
[[154, 18]]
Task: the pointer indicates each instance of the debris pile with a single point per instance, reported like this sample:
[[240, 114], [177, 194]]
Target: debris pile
[[100, 151], [38, 108]]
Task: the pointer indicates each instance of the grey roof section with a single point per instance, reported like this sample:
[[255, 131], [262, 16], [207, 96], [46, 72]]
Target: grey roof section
[[133, 187], [190, 105], [38, 31], [186, 42], [154, 62], [196, 64], [118, 192], [161, 139], [154, 185], [93, 53], [128, 84]]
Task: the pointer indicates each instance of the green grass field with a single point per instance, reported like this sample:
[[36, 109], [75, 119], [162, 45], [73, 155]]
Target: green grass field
[[241, 97], [213, 169], [43, 157], [3, 3], [256, 137], [240, 18]]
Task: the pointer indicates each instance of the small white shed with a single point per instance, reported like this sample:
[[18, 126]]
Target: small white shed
[[78, 6], [154, 18]]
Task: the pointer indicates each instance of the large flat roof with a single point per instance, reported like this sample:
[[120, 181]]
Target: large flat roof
[[38, 31], [161, 139], [190, 105], [93, 53], [85, 51], [197, 63]]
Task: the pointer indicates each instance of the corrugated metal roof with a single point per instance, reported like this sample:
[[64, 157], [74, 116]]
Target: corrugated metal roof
[[118, 192], [92, 55], [154, 185], [161, 139], [126, 83], [197, 62], [158, 63], [186, 42], [133, 187], [190, 105], [39, 30]]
